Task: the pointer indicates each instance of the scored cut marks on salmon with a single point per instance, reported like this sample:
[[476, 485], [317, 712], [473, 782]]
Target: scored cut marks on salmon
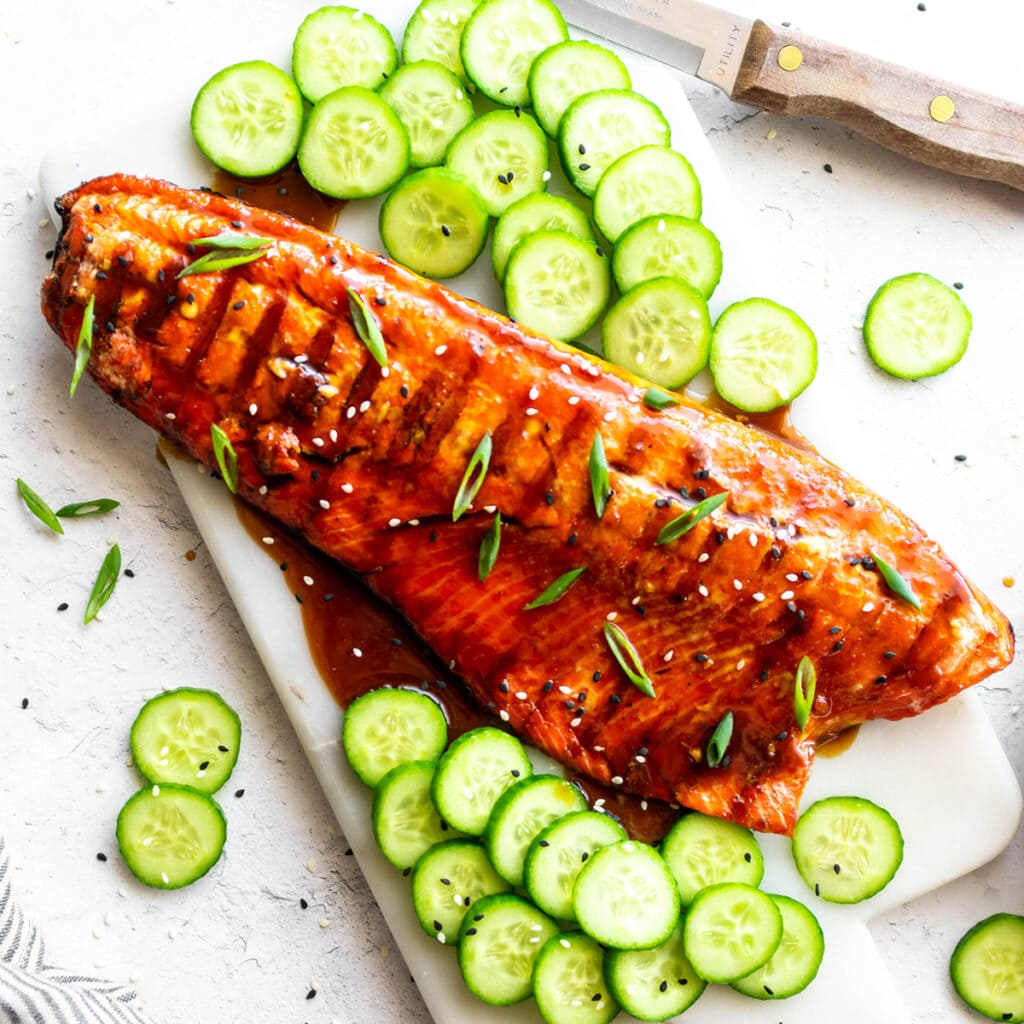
[[366, 462]]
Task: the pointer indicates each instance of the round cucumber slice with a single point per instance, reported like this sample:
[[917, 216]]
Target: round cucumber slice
[[916, 327], [501, 40], [170, 835], [730, 930], [762, 355], [405, 823], [432, 104], [187, 736], [434, 222], [569, 984], [434, 32], [646, 181], [847, 848], [566, 71], [987, 968], [654, 984], [504, 155], [660, 330], [338, 46], [794, 965], [354, 145], [599, 127], [668, 246], [557, 284], [535, 212], [247, 119], [384, 728]]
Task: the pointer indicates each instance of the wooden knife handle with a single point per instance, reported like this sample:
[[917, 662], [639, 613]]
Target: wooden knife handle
[[926, 119]]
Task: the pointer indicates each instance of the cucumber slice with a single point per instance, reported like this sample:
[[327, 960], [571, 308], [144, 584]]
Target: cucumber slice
[[520, 813], [557, 283], [354, 145], [566, 71], [794, 965], [599, 127], [916, 327], [987, 968], [535, 212], [504, 154], [405, 823], [384, 728], [338, 46], [501, 40], [434, 32], [762, 355], [731, 930], [568, 982], [625, 897], [434, 222], [647, 181], [170, 835], [557, 855], [498, 946], [703, 851], [847, 848], [447, 880], [187, 736], [660, 330], [247, 119], [474, 771], [432, 104], [668, 246], [654, 984]]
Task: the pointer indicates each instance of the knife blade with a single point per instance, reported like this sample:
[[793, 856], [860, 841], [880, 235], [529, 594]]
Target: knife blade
[[784, 71]]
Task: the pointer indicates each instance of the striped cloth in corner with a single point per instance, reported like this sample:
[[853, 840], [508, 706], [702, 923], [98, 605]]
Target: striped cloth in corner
[[34, 992]]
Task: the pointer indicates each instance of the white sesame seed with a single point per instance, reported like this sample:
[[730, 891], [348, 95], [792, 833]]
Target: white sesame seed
[[503, 715], [350, 412], [640, 759], [531, 411], [546, 176], [170, 417], [325, 923], [324, 503], [534, 393], [612, 616], [792, 577], [385, 372], [333, 435], [156, 791], [576, 721], [786, 595], [593, 371], [394, 522], [636, 600], [347, 488], [609, 416], [753, 540], [308, 580], [703, 557], [792, 529], [414, 522], [643, 805], [440, 350], [268, 540], [263, 489], [669, 655], [301, 358], [318, 441], [363, 406], [616, 780], [357, 652], [740, 664], [520, 695], [702, 590], [148, 841], [737, 584], [564, 943], [599, 750], [565, 690], [758, 596], [490, 509], [253, 408], [574, 399], [566, 368], [868, 607]]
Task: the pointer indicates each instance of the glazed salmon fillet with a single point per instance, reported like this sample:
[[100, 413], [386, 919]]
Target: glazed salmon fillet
[[366, 462]]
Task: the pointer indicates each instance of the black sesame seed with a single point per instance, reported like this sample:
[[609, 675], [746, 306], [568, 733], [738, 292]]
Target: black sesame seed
[[769, 990], [700, 658], [101, 275], [478, 917], [747, 857], [584, 857], [406, 872], [663, 987], [889, 655], [850, 502], [503, 686], [817, 889], [569, 705], [203, 765], [110, 326], [333, 260], [881, 680], [311, 994], [596, 676], [764, 675], [683, 981], [780, 736], [615, 698], [702, 474], [543, 842], [239, 793], [446, 881], [236, 224], [726, 761], [791, 606], [24, 703], [776, 552], [581, 696], [835, 629], [661, 502], [328, 597], [572, 539], [191, 298], [504, 88], [62, 607], [437, 926], [828, 168], [446, 231], [101, 857], [700, 493], [123, 260], [240, 304], [583, 149], [97, 208], [837, 646], [432, 537], [471, 931], [48, 255], [404, 390], [171, 300], [773, 522], [958, 285], [517, 110], [503, 179], [190, 249], [160, 275], [855, 561], [222, 748], [960, 458], [836, 868], [510, 176], [806, 575], [303, 903], [549, 498], [282, 190], [298, 597], [595, 997], [548, 686], [921, 7], [584, 167], [515, 773], [380, 300]]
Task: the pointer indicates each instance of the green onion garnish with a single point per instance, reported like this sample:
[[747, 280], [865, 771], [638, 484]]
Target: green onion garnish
[[804, 684], [628, 658], [233, 242], [367, 327], [227, 460], [106, 580], [84, 347], [896, 583], [600, 485], [87, 508], [719, 742], [228, 251], [655, 398], [551, 593], [489, 548], [471, 483], [38, 507], [675, 528]]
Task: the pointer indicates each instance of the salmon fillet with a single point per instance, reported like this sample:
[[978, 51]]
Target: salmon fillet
[[366, 463]]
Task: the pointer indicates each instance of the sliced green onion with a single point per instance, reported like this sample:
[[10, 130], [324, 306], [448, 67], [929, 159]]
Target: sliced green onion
[[896, 583], [551, 593], [84, 347], [719, 742], [222, 259], [628, 658], [367, 327], [489, 548], [655, 398], [38, 507], [227, 460], [234, 242], [87, 508], [106, 580], [804, 684], [600, 485], [675, 528], [473, 478]]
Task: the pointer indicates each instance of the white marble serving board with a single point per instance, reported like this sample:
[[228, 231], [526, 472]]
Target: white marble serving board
[[942, 775]]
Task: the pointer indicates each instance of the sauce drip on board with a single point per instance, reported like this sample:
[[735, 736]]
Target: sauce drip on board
[[286, 192]]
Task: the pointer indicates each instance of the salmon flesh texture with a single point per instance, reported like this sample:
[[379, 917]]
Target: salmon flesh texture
[[366, 463]]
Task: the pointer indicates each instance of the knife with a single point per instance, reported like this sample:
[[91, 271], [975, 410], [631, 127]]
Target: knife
[[786, 72]]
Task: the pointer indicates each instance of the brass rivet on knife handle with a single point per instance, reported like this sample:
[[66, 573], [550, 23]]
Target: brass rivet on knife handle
[[790, 58], [979, 136]]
